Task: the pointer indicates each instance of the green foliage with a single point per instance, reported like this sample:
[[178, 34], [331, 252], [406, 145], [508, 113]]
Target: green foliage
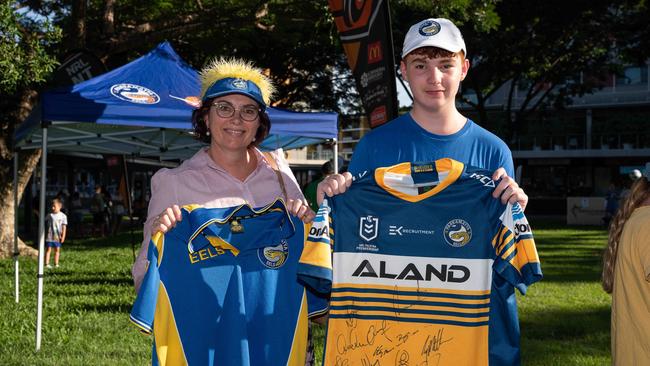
[[541, 51], [26, 41]]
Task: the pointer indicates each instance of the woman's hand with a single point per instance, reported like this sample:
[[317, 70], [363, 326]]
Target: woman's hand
[[300, 209], [166, 220], [332, 185], [508, 190]]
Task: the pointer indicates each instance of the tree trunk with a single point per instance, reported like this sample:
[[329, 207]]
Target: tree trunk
[[27, 162], [22, 106]]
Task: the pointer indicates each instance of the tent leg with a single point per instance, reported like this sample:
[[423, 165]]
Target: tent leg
[[41, 241], [336, 156], [16, 252]]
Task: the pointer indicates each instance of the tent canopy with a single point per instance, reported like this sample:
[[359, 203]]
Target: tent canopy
[[144, 109]]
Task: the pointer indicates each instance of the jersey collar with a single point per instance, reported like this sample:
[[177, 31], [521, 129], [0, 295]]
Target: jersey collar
[[410, 176], [213, 222]]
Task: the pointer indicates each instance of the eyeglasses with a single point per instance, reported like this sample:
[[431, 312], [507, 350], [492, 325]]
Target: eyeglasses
[[248, 113]]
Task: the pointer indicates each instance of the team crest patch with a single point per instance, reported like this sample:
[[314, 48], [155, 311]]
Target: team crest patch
[[135, 94], [274, 257], [368, 227], [429, 28], [239, 83], [457, 233]]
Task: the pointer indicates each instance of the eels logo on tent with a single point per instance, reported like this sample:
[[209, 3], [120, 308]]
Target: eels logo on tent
[[134, 94]]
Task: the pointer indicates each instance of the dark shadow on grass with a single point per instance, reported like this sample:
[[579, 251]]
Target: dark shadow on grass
[[92, 280], [586, 331], [122, 240], [97, 278], [120, 308], [566, 325], [581, 266]]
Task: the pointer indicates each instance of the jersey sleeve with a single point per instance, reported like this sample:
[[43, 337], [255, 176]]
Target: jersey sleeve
[[507, 163], [315, 265], [317, 303], [516, 255], [144, 307], [360, 158]]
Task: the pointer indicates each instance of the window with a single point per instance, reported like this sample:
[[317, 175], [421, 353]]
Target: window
[[633, 75]]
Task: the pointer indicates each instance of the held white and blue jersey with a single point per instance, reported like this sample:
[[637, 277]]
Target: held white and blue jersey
[[222, 289], [423, 270]]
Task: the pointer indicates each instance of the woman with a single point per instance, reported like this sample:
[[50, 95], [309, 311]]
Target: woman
[[231, 171], [626, 275]]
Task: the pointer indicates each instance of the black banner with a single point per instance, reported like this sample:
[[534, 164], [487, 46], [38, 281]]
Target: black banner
[[364, 26], [80, 65]]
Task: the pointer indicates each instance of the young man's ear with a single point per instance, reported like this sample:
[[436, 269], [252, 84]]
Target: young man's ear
[[402, 69], [464, 69]]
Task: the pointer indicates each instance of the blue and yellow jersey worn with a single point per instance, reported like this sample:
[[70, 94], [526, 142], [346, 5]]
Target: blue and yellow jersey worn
[[421, 263], [222, 289]]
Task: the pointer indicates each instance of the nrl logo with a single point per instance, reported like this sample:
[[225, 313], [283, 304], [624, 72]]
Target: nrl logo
[[368, 227]]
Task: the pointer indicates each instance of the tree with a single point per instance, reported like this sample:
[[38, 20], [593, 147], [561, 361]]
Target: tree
[[539, 50], [24, 62], [296, 41]]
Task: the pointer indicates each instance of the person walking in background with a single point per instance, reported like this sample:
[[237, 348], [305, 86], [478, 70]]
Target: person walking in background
[[56, 224], [76, 215], [108, 211], [97, 207], [611, 203], [626, 275], [326, 170]]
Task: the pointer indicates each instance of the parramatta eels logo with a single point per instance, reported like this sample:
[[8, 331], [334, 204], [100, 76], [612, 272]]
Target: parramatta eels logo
[[457, 233], [134, 94], [368, 227], [429, 28], [274, 257], [239, 84]]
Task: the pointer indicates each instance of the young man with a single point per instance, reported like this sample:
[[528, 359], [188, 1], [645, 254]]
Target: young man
[[433, 63]]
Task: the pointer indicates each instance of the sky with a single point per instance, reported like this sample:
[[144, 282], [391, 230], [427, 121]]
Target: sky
[[402, 96]]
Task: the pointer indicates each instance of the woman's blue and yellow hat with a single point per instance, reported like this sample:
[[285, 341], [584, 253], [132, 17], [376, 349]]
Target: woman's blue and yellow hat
[[234, 76]]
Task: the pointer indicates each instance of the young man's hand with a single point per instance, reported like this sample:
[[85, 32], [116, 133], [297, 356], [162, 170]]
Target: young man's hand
[[333, 185], [301, 209], [508, 190]]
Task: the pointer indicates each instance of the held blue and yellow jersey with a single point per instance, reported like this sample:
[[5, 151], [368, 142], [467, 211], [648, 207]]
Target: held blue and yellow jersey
[[222, 289], [422, 263]]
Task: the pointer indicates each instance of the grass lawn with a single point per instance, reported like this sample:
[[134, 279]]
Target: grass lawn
[[564, 319]]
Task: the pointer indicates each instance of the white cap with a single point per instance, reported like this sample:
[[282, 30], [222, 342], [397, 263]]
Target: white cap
[[440, 32], [635, 174]]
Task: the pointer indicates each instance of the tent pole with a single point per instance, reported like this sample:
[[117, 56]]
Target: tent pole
[[41, 240], [16, 252], [336, 156], [129, 204]]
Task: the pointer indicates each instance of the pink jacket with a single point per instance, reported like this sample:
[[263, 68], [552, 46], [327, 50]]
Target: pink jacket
[[200, 180]]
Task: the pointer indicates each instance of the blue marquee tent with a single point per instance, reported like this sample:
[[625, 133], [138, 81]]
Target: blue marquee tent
[[142, 109]]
